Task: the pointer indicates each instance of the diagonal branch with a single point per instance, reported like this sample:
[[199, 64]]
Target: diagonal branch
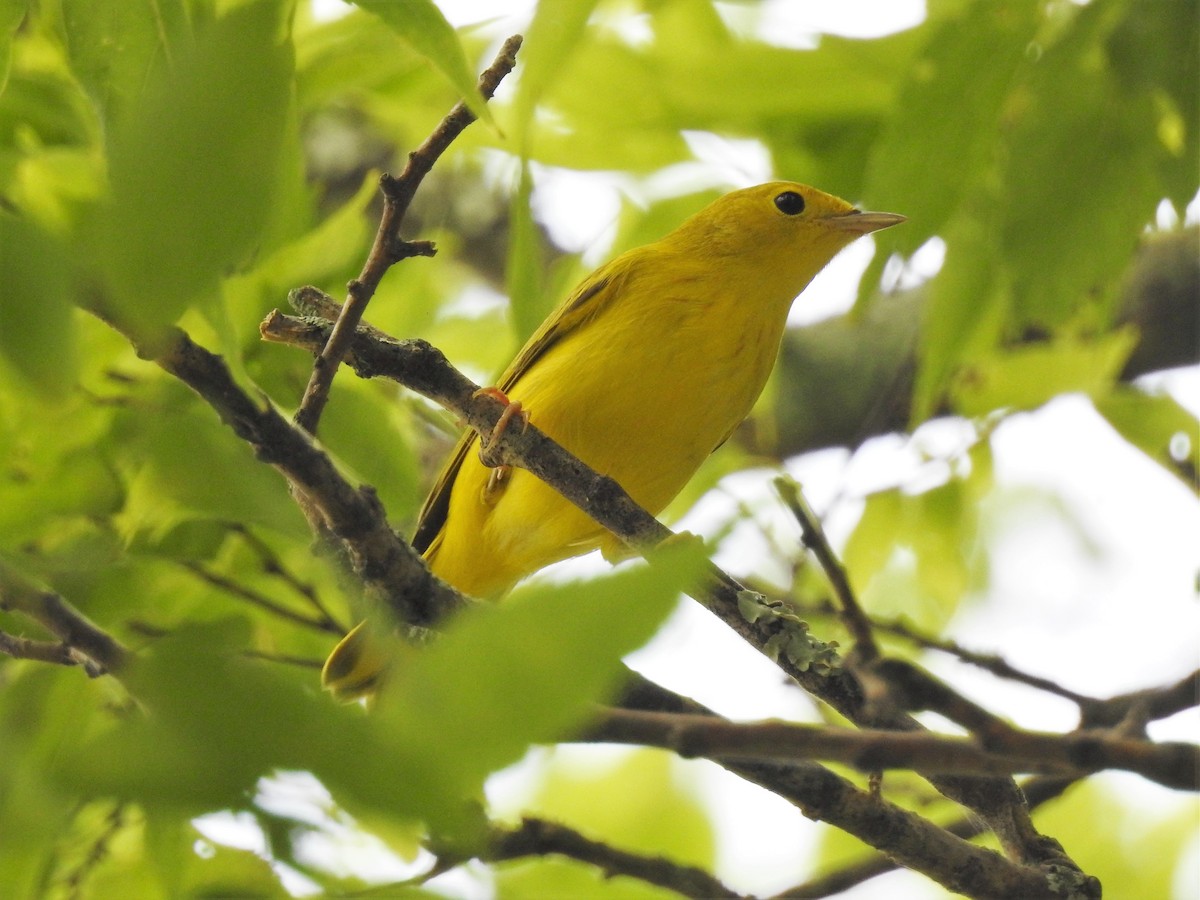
[[388, 249], [81, 640], [767, 627], [813, 536], [1038, 790], [389, 568]]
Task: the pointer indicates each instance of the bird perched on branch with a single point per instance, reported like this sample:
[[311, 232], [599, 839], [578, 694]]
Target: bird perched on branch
[[645, 369]]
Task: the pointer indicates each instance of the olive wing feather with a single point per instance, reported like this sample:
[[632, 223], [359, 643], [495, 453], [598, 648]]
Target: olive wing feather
[[592, 296]]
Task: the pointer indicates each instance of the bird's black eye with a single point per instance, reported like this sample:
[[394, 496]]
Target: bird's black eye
[[789, 203]]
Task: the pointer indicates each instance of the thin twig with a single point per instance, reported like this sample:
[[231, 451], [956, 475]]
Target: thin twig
[[990, 662], [287, 659], [272, 565], [813, 536], [388, 249], [235, 589], [76, 879], [54, 652]]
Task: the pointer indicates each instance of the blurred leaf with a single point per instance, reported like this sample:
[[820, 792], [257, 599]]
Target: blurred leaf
[[523, 672], [1158, 426], [655, 89], [367, 429], [524, 266], [550, 43], [470, 703], [220, 871], [424, 28], [113, 45], [1155, 48], [874, 538], [964, 316], [320, 255], [11, 14], [37, 337], [195, 164], [636, 804], [943, 128], [80, 483], [41, 710], [917, 555], [182, 462], [1078, 175], [1138, 857], [350, 62], [1026, 377]]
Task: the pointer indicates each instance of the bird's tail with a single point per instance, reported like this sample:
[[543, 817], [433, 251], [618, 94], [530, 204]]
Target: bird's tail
[[355, 667]]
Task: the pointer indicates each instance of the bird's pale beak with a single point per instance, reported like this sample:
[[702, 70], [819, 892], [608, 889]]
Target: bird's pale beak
[[857, 222]]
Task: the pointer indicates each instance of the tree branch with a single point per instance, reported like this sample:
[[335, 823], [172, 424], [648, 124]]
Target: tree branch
[[539, 837], [389, 569], [813, 537], [818, 794], [82, 641], [1175, 765], [388, 248]]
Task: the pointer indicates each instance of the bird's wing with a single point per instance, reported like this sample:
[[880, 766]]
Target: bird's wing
[[592, 296]]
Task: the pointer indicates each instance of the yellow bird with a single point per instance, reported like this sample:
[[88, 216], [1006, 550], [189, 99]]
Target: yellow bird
[[644, 370]]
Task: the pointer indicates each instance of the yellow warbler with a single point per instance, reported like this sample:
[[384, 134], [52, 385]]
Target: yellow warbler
[[644, 370]]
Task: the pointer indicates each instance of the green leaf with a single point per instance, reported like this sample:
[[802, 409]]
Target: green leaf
[[80, 483], [194, 166], [1158, 426], [655, 89], [11, 14], [41, 710], [1155, 49], [525, 671], [966, 311], [916, 556], [874, 538], [1144, 857], [367, 429], [182, 462], [214, 722], [1026, 377], [640, 804], [550, 42], [1078, 176], [330, 252], [524, 264], [112, 45], [38, 335], [424, 28], [945, 121]]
